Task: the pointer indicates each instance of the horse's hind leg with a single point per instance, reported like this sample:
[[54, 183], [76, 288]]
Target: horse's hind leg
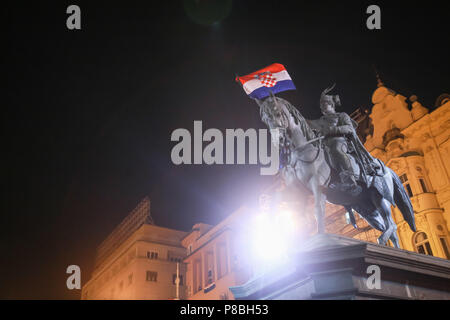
[[395, 240], [394, 236], [384, 209]]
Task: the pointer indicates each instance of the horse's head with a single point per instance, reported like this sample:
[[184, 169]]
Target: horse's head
[[278, 113], [274, 112]]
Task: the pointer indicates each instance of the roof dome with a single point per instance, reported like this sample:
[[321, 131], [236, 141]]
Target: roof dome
[[381, 93]]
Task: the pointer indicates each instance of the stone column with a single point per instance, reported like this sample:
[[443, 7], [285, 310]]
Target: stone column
[[216, 263], [228, 244]]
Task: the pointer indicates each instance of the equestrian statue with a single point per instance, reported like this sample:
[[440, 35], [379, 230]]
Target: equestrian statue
[[325, 158]]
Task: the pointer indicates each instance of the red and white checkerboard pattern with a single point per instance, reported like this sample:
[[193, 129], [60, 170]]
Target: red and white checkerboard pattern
[[259, 84], [267, 79]]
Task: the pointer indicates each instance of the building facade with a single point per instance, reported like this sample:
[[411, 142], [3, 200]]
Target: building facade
[[215, 257], [138, 261]]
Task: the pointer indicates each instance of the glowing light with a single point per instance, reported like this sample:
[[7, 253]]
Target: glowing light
[[272, 236]]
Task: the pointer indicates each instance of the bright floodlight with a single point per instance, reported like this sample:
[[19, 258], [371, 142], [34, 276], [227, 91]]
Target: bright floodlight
[[272, 236]]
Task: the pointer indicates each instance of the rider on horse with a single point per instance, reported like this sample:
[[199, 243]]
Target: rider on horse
[[342, 144]]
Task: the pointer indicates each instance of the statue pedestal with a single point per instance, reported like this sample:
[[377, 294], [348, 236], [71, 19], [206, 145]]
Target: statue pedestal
[[328, 266]]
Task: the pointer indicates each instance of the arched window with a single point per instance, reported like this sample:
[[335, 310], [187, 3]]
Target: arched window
[[422, 243]]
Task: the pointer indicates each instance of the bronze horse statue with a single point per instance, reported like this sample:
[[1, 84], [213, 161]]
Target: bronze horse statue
[[307, 171]]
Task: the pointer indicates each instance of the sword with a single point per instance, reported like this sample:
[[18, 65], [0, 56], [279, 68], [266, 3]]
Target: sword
[[361, 161]]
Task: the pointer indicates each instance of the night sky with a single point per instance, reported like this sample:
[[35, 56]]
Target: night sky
[[88, 114]]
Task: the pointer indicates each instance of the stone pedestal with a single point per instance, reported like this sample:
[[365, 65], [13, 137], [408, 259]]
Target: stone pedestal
[[334, 267]]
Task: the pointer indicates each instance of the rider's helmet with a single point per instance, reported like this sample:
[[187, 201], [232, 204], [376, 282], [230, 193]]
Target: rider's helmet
[[329, 99]]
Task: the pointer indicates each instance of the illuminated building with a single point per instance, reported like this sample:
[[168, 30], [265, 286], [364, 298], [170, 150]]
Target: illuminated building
[[214, 261], [138, 261]]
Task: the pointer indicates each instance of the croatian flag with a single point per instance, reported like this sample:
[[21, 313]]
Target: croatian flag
[[273, 78]]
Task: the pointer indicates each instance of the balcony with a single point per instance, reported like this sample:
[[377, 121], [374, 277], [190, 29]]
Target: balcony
[[424, 201]]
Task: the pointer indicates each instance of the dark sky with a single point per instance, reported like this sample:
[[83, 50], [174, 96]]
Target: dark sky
[[89, 114]]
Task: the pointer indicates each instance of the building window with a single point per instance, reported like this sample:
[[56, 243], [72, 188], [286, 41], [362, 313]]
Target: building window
[[175, 277], [408, 189], [445, 247], [422, 244], [423, 185], [209, 267], [222, 260], [152, 276], [173, 259], [210, 276], [404, 180], [197, 277], [152, 255], [130, 279], [189, 249]]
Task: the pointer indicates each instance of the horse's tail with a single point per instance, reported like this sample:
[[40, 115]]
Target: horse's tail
[[402, 201]]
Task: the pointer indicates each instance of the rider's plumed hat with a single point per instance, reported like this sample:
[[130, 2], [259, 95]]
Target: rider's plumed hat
[[326, 98]]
